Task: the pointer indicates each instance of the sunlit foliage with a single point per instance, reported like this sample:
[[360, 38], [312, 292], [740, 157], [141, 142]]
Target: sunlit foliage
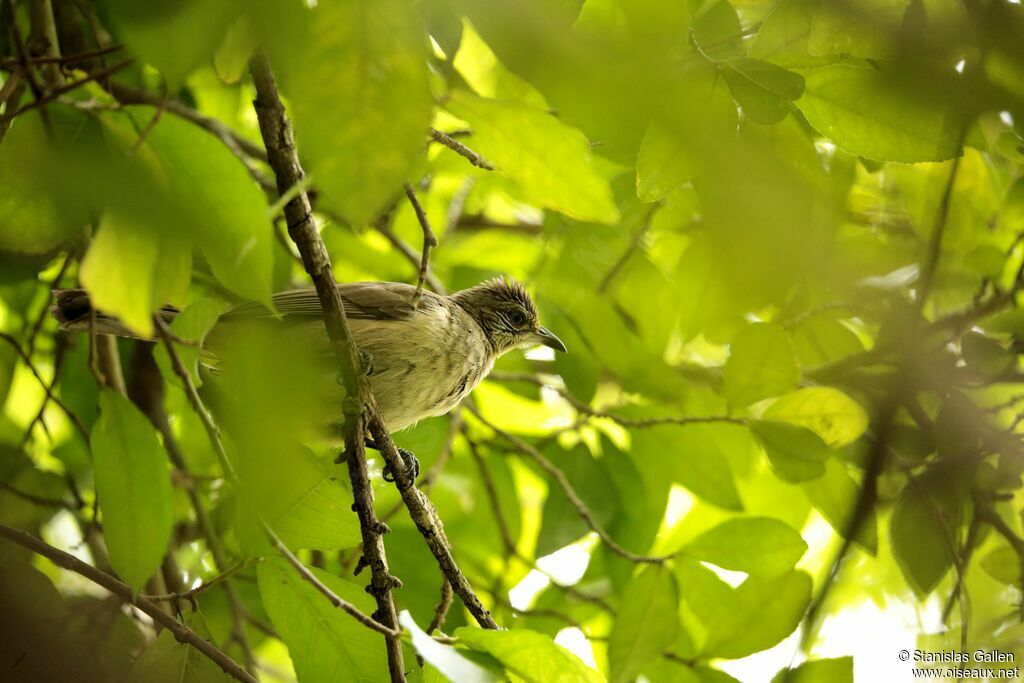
[[781, 240]]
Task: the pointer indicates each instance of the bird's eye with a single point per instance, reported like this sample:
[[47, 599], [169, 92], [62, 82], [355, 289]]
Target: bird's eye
[[517, 318]]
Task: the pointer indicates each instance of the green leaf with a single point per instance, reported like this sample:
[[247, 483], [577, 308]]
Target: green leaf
[[692, 456], [132, 269], [924, 528], [133, 485], [533, 657], [675, 149], [168, 661], [550, 161], [796, 453], [865, 32], [834, 494], [762, 89], [445, 658], [783, 37], [364, 134], [828, 412], [325, 643], [34, 218], [985, 356], [761, 364], [838, 670], [732, 623], [756, 545], [866, 114], [175, 37], [288, 488], [1003, 564], [646, 624], [224, 210]]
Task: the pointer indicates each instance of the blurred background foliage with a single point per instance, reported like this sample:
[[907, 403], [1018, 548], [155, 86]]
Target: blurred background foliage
[[781, 239]]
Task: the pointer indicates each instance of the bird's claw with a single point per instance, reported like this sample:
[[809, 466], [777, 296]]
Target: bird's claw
[[412, 466]]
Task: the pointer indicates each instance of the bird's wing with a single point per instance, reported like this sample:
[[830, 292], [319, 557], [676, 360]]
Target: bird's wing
[[363, 301]]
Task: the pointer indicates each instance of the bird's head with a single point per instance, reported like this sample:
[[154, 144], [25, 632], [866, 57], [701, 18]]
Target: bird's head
[[507, 315]]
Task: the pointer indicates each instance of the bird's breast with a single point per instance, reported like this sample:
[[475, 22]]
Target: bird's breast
[[424, 365]]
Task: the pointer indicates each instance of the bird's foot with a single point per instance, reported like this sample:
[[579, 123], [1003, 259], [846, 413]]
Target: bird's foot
[[412, 463], [412, 466]]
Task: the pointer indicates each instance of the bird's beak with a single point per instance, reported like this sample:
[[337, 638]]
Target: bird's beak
[[544, 336]]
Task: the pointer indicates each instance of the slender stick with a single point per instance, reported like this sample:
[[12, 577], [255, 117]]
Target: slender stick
[[460, 149], [429, 241], [279, 141], [563, 482], [75, 420], [336, 600], [182, 632]]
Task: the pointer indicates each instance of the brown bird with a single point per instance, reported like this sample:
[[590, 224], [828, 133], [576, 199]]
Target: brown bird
[[422, 359]]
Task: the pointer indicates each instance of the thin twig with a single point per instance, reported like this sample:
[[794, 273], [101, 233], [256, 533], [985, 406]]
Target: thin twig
[[563, 482], [37, 324], [441, 611], [938, 231], [64, 59], [212, 431], [182, 632], [634, 245], [632, 422], [410, 254], [201, 588], [460, 149], [429, 242], [336, 600], [492, 496], [64, 89], [245, 150], [75, 420], [30, 76]]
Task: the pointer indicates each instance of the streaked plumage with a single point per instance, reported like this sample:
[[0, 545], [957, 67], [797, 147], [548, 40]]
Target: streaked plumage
[[425, 358]]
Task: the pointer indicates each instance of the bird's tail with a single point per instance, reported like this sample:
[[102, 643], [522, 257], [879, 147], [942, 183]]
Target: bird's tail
[[75, 313]]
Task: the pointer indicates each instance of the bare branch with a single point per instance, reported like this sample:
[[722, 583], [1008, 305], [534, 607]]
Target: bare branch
[[570, 493], [75, 420], [336, 600], [634, 245], [410, 255], [182, 632], [279, 141], [429, 241], [53, 94], [637, 423], [460, 149], [441, 611]]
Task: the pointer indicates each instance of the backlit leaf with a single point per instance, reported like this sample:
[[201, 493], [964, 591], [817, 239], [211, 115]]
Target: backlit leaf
[[133, 484], [553, 165]]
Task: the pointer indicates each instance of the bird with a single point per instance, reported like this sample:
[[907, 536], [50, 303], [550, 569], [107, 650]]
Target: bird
[[422, 352]]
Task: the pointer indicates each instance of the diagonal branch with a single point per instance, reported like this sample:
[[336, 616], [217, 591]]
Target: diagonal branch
[[563, 482], [75, 420], [460, 149], [183, 633], [284, 160], [429, 241]]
